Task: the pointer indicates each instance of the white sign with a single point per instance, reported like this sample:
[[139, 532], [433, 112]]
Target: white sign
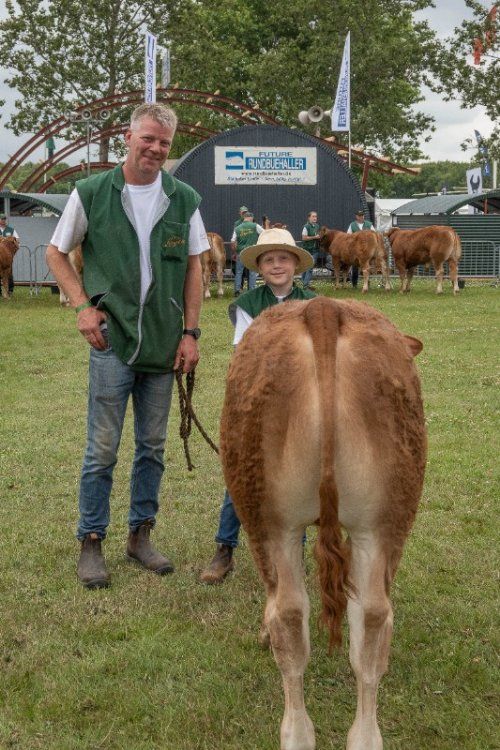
[[265, 165], [341, 111], [474, 181], [150, 69]]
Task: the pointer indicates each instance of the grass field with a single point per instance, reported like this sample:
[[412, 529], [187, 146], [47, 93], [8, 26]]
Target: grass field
[[167, 664]]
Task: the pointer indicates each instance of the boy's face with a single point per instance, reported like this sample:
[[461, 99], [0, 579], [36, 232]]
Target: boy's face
[[277, 267]]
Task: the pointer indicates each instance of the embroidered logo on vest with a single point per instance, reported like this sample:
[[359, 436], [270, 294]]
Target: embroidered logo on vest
[[173, 242]]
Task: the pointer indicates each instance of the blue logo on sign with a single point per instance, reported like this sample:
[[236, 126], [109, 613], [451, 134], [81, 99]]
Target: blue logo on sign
[[235, 160]]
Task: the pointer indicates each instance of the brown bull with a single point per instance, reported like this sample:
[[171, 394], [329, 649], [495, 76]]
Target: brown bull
[[213, 261], [323, 424], [75, 257], [359, 248], [8, 248], [434, 244]]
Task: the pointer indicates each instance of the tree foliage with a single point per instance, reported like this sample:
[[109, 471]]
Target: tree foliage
[[456, 74], [285, 56]]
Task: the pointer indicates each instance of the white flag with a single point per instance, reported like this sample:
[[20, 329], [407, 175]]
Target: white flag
[[150, 69], [341, 111]]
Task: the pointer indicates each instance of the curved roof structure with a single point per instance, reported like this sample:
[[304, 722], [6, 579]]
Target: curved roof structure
[[21, 203], [448, 204]]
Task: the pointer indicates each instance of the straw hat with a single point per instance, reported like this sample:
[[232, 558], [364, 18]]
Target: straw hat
[[276, 239]]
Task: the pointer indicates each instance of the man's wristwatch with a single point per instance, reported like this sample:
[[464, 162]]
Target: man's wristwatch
[[194, 332]]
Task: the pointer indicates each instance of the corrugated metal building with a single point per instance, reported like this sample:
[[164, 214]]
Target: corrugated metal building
[[478, 232]]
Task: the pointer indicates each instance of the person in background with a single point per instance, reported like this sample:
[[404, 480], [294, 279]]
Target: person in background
[[141, 234], [245, 235], [310, 242], [277, 258], [358, 225]]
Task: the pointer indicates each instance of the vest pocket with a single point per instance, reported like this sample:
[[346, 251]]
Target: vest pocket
[[174, 245]]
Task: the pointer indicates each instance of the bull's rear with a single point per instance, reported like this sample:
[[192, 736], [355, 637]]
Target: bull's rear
[[323, 423]]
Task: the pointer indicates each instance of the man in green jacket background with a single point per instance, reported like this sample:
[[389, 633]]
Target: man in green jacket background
[[141, 234], [358, 225], [245, 234]]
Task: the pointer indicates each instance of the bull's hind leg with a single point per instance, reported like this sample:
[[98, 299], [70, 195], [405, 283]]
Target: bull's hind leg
[[453, 266], [286, 620], [366, 277], [370, 625], [439, 278], [220, 280]]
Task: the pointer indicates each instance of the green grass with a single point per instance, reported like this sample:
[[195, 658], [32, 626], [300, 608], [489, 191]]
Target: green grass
[[167, 664]]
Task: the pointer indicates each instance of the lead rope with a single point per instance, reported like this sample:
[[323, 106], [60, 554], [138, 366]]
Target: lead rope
[[187, 415]]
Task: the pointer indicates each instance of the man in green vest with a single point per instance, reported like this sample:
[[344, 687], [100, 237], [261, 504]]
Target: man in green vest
[[358, 225], [310, 242], [8, 231], [277, 258], [244, 235], [141, 234]]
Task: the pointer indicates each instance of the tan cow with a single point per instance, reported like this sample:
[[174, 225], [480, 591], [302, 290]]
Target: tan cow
[[434, 244], [76, 259], [323, 424], [359, 248], [213, 260], [8, 248]]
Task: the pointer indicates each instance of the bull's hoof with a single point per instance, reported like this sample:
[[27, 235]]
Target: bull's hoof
[[207, 295], [220, 294]]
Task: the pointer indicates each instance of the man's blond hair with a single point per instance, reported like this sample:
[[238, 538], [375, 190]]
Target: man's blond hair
[[160, 113]]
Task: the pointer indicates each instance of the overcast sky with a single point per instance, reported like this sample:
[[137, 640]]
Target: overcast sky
[[453, 124]]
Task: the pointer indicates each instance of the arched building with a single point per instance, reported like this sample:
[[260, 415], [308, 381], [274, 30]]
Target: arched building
[[278, 172]]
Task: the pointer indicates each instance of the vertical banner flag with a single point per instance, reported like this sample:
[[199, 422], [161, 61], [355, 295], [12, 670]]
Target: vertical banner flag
[[474, 180], [341, 112], [165, 68], [150, 69]]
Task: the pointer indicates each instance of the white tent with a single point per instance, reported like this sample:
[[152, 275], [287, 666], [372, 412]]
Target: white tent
[[383, 210]]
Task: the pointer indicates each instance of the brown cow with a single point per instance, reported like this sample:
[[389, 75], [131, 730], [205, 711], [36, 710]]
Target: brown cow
[[323, 424], [213, 260], [359, 248], [76, 259], [434, 244], [8, 248]]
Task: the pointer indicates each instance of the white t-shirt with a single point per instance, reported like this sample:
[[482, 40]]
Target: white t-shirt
[[244, 321], [360, 225], [72, 226]]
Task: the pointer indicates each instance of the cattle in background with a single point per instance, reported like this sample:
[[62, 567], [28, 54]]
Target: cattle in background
[[434, 244], [268, 224], [213, 261], [8, 248], [76, 260], [360, 248], [323, 424]]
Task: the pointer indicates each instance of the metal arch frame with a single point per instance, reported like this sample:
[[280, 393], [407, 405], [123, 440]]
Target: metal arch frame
[[43, 168], [95, 165], [215, 102]]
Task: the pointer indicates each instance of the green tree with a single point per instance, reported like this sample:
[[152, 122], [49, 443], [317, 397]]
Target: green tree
[[474, 82]]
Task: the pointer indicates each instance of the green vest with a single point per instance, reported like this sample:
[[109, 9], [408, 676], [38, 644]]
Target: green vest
[[355, 226], [246, 235], [256, 300], [144, 336], [7, 231], [311, 245]]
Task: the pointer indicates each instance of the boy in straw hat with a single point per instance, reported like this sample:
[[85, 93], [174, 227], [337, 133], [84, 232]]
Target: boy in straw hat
[[277, 258]]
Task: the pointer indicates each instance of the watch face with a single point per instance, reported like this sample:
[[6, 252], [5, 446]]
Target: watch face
[[194, 332]]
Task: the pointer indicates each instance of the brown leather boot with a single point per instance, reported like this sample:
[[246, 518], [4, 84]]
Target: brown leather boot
[[91, 568], [220, 565], [140, 549]]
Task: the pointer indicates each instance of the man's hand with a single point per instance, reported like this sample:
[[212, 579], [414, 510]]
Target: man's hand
[[187, 355], [88, 322]]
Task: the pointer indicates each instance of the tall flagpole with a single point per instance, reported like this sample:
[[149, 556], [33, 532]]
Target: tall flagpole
[[341, 110]]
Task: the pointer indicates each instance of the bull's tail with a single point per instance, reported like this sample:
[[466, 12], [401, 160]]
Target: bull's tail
[[457, 247], [322, 318]]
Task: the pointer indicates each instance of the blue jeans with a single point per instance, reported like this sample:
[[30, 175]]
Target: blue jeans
[[229, 523], [252, 276], [307, 275], [111, 382]]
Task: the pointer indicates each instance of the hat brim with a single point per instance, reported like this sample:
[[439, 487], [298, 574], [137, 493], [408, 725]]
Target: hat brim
[[249, 256]]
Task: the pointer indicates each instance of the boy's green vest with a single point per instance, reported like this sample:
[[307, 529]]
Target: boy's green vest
[[7, 231], [355, 226], [311, 245], [256, 300], [144, 336], [246, 235]]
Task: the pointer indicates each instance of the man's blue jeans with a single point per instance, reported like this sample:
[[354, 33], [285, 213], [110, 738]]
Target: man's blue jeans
[[238, 275], [229, 523], [111, 382], [307, 275]]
